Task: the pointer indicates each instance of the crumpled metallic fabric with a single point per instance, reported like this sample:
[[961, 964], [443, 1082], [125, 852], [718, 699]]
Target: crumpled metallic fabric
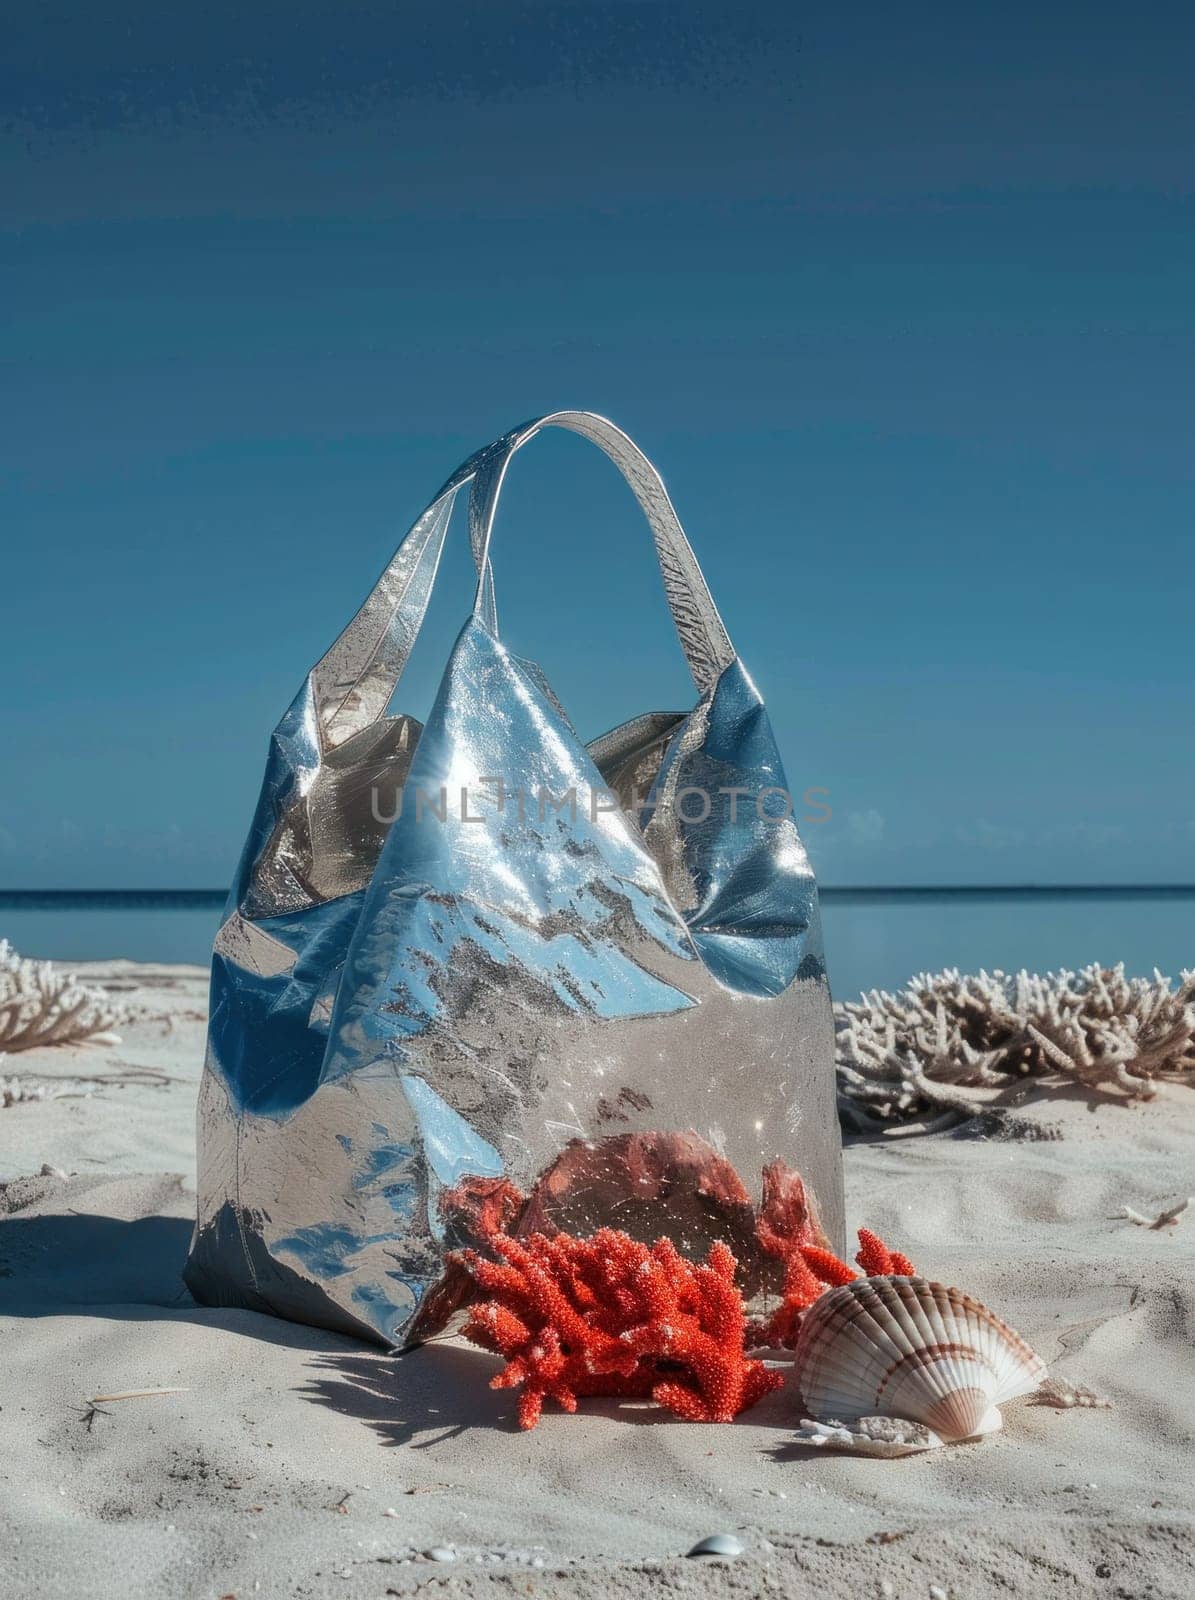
[[488, 981]]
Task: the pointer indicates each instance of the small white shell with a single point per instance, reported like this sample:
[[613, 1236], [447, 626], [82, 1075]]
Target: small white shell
[[869, 1436], [718, 1544], [903, 1347]]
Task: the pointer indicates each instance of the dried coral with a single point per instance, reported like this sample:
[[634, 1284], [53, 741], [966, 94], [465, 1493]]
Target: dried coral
[[1167, 1218], [951, 1046], [15, 1092], [41, 1005], [608, 1315]]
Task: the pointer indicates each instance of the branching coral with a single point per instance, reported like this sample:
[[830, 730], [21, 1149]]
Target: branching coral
[[812, 1269], [40, 1005], [476, 1209], [951, 1046], [787, 1218], [877, 1261], [608, 1315], [654, 1183]]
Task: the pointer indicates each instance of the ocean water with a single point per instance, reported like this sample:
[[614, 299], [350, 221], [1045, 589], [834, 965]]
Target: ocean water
[[875, 938]]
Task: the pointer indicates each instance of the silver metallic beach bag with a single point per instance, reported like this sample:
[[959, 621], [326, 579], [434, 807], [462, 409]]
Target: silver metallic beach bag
[[480, 970]]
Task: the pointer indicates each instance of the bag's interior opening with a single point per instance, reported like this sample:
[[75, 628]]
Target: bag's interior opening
[[327, 843]]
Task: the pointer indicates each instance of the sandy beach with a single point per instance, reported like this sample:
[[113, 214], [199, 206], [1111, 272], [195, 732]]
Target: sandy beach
[[299, 1463]]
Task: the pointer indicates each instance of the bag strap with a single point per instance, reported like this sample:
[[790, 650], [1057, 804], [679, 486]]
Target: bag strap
[[353, 681], [701, 631]]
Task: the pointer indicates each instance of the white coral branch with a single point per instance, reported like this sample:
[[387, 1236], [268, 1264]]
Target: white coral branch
[[13, 1092], [1164, 1219], [40, 1004], [949, 1042]]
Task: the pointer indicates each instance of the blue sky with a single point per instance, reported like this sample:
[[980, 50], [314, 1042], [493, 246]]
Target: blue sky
[[900, 300]]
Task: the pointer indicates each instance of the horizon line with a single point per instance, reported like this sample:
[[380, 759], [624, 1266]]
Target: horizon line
[[910, 890]]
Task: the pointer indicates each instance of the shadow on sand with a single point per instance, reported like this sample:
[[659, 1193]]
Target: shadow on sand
[[441, 1389], [62, 1260], [127, 1271], [98, 1266], [432, 1393]]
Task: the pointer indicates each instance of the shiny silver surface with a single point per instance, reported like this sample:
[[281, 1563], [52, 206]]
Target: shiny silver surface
[[498, 983]]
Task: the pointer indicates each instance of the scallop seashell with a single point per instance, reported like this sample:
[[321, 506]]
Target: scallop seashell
[[904, 1347]]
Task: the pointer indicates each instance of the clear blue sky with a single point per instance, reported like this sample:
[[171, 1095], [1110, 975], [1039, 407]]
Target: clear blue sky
[[899, 298]]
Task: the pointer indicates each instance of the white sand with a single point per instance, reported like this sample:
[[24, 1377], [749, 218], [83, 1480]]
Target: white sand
[[273, 1473]]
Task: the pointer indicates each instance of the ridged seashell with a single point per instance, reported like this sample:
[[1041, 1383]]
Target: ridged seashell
[[903, 1347]]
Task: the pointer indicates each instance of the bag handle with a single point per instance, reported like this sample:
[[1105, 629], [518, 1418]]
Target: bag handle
[[701, 631], [352, 682]]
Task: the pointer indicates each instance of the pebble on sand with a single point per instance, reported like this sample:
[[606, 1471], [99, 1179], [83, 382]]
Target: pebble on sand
[[718, 1544]]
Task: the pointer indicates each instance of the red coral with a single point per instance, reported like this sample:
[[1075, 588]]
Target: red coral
[[787, 1219], [650, 1184], [608, 1315], [696, 1320], [470, 1214], [828, 1267], [475, 1209], [878, 1261], [809, 1272], [801, 1288]]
